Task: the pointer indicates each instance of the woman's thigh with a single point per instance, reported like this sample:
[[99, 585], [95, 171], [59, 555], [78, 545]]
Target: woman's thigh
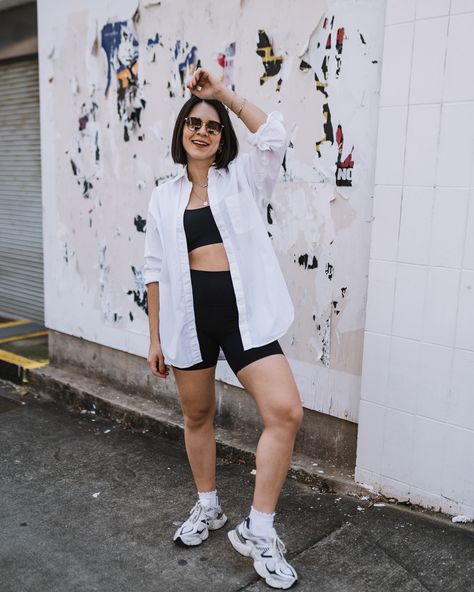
[[196, 390], [270, 381]]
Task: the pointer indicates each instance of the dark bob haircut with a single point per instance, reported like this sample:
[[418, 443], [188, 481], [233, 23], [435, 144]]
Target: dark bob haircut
[[229, 142]]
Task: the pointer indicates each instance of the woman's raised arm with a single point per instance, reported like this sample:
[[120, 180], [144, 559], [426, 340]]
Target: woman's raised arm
[[267, 134], [206, 85]]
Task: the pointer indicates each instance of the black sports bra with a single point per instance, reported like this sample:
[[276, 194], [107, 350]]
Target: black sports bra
[[200, 228]]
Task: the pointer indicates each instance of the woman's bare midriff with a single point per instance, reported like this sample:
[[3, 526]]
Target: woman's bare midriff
[[209, 258]]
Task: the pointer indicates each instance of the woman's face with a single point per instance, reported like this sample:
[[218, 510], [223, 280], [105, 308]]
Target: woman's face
[[199, 144]]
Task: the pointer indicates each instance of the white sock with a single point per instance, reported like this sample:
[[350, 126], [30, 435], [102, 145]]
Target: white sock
[[260, 522], [209, 498]]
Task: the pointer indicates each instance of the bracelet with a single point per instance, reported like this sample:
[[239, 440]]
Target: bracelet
[[241, 107], [232, 102]]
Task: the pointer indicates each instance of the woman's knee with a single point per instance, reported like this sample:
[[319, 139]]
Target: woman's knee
[[287, 416], [295, 416], [197, 417]]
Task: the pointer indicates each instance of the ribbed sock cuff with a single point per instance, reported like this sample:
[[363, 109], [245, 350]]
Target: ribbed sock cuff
[[209, 498], [260, 522]]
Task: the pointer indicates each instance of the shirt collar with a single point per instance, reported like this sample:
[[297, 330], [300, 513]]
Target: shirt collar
[[184, 172]]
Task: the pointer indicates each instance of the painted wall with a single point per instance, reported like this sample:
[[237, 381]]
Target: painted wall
[[416, 429], [112, 81]]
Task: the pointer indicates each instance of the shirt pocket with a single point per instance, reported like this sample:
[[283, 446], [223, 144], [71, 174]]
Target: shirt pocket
[[242, 211]]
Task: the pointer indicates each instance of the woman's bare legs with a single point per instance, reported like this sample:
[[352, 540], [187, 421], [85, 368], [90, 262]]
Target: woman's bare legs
[[198, 403], [271, 383]]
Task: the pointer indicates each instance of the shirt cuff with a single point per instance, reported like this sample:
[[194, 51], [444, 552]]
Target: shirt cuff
[[151, 276], [271, 134]]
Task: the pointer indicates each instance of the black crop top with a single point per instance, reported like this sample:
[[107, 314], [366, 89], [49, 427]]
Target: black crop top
[[200, 228]]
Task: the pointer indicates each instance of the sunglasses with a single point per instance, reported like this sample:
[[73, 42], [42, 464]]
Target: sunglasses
[[212, 127]]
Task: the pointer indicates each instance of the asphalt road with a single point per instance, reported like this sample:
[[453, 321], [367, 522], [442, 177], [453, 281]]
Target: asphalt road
[[89, 506]]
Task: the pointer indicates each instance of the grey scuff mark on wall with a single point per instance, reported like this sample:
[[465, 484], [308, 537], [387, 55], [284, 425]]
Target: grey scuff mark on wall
[[97, 149], [136, 15], [288, 176], [96, 43], [324, 354], [86, 147], [108, 314], [140, 296], [81, 179]]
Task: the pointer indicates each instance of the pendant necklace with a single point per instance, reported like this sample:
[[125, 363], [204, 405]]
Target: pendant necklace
[[204, 203]]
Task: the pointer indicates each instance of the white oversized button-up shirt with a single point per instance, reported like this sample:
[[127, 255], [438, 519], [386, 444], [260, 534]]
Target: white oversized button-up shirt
[[238, 196]]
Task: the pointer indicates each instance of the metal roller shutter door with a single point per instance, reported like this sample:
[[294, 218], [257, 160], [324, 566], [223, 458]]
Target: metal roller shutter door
[[21, 237]]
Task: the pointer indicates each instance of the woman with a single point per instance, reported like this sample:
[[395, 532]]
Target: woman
[[214, 282]]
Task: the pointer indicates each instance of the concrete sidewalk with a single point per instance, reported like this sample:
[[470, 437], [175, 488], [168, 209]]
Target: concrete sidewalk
[[89, 506]]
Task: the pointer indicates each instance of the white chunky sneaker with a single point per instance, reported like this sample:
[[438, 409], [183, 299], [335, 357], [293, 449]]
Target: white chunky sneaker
[[267, 554], [196, 528]]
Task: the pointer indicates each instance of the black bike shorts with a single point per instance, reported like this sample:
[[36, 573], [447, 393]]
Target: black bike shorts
[[217, 323]]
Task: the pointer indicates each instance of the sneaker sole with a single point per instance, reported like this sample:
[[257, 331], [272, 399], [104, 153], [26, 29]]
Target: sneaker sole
[[218, 523], [258, 565], [199, 538]]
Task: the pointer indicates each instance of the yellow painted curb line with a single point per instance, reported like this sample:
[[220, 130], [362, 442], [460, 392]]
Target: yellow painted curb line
[[6, 356], [14, 323], [25, 336]]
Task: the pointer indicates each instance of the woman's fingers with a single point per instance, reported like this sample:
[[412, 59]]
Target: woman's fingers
[[161, 366], [199, 75], [204, 84], [195, 77], [199, 78], [157, 366]]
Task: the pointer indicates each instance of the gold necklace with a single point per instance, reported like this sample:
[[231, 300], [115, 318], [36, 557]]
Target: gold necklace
[[204, 203], [197, 183]]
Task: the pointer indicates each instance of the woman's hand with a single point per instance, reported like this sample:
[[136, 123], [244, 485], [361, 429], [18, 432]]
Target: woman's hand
[[156, 361], [205, 85]]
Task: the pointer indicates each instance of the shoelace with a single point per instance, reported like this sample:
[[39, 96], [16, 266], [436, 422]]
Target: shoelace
[[196, 511], [277, 547]]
